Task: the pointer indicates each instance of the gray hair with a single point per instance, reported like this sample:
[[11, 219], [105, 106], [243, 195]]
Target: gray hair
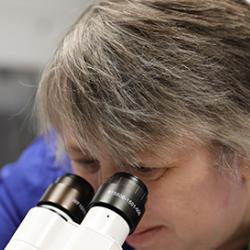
[[132, 73]]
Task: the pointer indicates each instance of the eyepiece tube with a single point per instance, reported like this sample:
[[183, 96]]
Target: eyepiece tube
[[71, 194], [124, 194]]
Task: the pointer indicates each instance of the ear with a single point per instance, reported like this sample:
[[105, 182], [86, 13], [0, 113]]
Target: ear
[[245, 168]]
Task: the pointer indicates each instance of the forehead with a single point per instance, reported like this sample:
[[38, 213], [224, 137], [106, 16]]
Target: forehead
[[164, 151]]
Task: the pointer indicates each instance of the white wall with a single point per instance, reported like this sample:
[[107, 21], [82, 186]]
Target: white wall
[[30, 29]]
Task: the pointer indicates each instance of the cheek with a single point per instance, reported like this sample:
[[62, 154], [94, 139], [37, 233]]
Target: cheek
[[214, 204]]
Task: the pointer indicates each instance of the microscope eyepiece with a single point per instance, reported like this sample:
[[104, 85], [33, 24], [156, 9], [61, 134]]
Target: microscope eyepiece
[[71, 194], [126, 195], [112, 215]]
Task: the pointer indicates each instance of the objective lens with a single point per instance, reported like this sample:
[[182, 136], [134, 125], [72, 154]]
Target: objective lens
[[126, 195], [71, 194]]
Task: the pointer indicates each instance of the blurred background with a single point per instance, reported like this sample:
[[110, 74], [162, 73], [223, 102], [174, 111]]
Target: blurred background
[[30, 31]]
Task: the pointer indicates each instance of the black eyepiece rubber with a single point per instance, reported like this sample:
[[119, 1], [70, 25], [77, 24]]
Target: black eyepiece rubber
[[71, 194], [126, 195]]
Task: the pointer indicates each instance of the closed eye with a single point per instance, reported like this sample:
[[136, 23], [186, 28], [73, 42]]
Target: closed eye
[[147, 173], [90, 165], [87, 161]]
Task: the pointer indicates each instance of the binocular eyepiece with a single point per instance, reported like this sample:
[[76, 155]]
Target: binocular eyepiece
[[70, 216], [123, 193]]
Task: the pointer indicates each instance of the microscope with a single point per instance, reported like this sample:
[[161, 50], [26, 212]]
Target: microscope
[[70, 216]]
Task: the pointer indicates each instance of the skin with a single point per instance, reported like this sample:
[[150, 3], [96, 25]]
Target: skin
[[191, 205]]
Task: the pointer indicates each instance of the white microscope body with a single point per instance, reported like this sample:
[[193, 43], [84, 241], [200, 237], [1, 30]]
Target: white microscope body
[[114, 212]]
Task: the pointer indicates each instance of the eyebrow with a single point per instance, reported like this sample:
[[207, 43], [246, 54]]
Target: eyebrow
[[141, 165], [71, 148], [161, 165]]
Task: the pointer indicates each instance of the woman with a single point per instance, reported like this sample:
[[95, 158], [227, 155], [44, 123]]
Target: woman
[[161, 89]]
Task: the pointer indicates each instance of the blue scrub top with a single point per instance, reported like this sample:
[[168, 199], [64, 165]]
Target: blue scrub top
[[22, 184]]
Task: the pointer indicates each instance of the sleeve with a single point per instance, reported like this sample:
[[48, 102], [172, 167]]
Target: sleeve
[[22, 184]]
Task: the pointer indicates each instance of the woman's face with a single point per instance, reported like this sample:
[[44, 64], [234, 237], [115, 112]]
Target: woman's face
[[191, 204]]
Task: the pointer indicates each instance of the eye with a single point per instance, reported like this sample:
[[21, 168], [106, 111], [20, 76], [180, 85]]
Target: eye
[[147, 173], [89, 164]]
